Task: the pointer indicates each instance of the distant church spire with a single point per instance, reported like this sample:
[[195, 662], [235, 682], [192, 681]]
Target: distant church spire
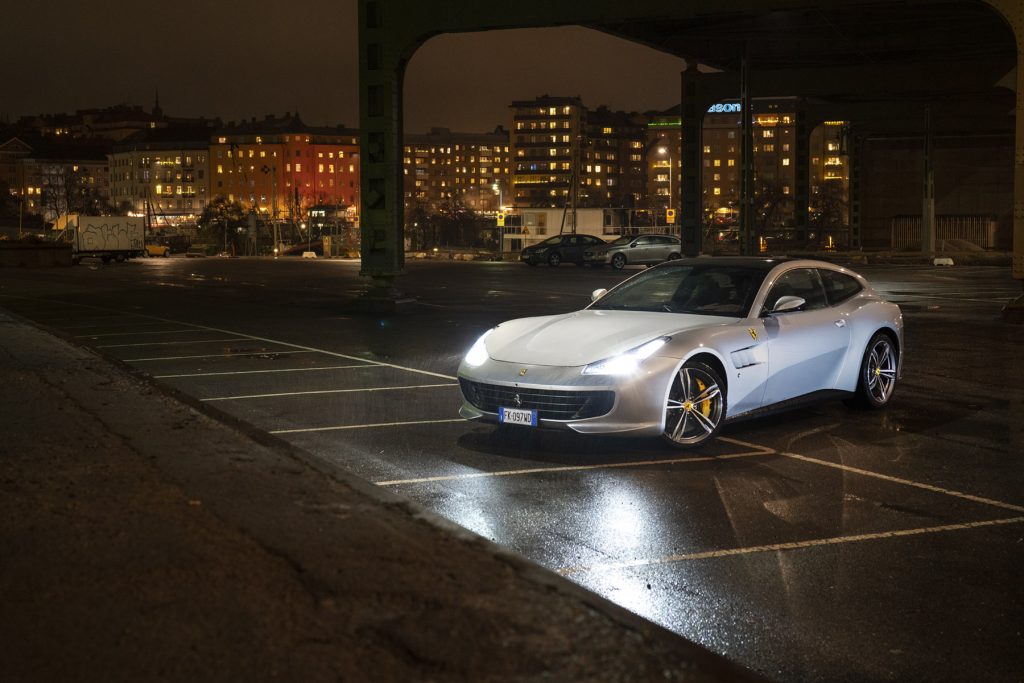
[[157, 111]]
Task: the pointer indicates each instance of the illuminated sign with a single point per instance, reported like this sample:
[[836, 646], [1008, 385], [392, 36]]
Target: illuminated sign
[[725, 108]]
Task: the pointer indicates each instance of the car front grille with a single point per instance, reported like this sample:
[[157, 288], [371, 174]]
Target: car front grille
[[549, 404]]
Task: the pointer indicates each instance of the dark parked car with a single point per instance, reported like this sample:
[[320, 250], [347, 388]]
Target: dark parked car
[[554, 250], [643, 250]]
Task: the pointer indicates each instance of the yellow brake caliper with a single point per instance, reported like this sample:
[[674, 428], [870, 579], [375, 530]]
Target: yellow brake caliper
[[705, 405]]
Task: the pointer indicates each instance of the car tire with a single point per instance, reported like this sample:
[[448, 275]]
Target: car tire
[[695, 406], [673, 257], [554, 259], [618, 261], [876, 380]]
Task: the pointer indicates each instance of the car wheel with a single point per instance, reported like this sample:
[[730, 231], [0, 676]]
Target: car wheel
[[618, 261], [554, 259], [695, 407], [673, 257], [877, 379]]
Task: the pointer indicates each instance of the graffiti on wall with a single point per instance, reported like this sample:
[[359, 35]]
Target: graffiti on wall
[[109, 233]]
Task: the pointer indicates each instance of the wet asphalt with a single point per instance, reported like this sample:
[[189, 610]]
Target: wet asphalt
[[819, 544]]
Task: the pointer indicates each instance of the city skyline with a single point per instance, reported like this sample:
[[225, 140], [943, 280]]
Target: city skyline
[[216, 67]]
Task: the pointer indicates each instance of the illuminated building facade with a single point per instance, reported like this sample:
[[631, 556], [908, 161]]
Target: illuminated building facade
[[613, 171], [56, 176], [279, 167], [441, 166], [774, 147], [663, 155], [546, 144], [162, 174]]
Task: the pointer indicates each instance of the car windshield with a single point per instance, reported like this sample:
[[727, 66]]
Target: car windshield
[[725, 290], [625, 239], [557, 239]]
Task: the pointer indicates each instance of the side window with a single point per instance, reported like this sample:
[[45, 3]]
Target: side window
[[643, 241], [801, 282], [838, 286]]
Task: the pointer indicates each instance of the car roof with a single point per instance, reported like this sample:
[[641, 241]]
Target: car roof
[[753, 262]]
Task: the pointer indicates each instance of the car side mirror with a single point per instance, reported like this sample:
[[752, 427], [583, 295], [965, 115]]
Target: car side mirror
[[597, 294], [787, 304]]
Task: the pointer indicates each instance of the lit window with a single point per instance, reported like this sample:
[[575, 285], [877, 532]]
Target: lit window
[[220, 169], [785, 162], [298, 168], [707, 149], [606, 131], [718, 191], [785, 189], [718, 162], [732, 162]]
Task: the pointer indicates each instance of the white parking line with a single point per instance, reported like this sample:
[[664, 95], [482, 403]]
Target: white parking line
[[776, 547], [258, 372], [214, 355], [905, 482], [568, 468], [328, 391], [132, 324], [128, 334], [366, 426], [170, 343]]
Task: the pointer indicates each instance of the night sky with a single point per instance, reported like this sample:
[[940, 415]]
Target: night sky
[[241, 60]]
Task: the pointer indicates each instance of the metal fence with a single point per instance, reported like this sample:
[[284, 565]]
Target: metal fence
[[979, 230]]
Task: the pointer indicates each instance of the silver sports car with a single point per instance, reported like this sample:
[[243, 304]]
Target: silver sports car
[[679, 349]]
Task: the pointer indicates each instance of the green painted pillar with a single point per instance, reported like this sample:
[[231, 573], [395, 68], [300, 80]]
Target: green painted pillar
[[381, 71], [802, 169], [694, 103]]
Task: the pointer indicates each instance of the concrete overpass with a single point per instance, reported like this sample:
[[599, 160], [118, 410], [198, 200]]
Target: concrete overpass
[[880, 65]]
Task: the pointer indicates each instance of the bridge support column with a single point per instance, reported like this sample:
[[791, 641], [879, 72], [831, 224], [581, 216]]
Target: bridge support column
[[380, 104], [695, 101], [802, 172], [1013, 11]]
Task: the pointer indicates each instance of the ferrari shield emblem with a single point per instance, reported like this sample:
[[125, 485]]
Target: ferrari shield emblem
[[753, 333]]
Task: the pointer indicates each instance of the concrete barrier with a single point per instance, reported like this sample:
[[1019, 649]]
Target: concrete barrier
[[19, 255]]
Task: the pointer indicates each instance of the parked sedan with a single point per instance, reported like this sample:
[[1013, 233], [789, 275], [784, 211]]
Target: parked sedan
[[679, 349], [558, 248], [644, 250]]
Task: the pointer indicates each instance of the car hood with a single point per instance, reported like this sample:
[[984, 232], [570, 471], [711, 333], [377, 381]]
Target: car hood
[[586, 336]]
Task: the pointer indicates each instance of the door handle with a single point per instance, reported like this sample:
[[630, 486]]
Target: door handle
[[840, 323]]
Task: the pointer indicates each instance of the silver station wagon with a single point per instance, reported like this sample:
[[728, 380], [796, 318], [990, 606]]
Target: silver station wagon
[[643, 250]]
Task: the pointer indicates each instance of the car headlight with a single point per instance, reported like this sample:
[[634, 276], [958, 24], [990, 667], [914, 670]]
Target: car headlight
[[477, 354], [626, 363]]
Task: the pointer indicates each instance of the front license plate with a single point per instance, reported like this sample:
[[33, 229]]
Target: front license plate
[[517, 416]]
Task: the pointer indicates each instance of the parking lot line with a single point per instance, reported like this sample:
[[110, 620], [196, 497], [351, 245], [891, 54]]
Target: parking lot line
[[794, 545], [170, 343], [906, 482], [328, 391], [214, 355], [311, 349], [131, 324], [569, 468], [365, 426], [128, 334], [257, 372]]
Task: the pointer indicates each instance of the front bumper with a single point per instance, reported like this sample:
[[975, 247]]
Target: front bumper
[[637, 406], [533, 257]]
